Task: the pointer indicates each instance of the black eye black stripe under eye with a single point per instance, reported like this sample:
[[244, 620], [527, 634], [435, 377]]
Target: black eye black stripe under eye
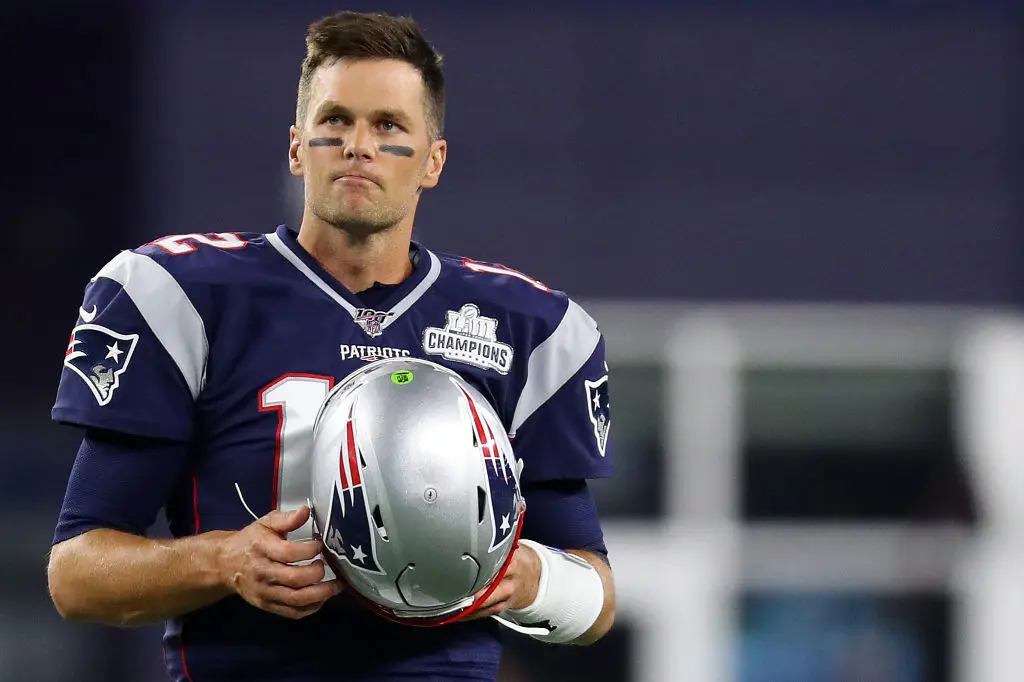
[[397, 150]]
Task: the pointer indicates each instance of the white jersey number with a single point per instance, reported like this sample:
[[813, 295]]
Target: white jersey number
[[178, 244], [296, 398]]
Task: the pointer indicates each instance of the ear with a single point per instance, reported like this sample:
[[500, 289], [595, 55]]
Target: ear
[[435, 163], [295, 152]]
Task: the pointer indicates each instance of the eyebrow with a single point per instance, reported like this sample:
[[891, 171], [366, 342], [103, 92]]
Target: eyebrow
[[333, 108]]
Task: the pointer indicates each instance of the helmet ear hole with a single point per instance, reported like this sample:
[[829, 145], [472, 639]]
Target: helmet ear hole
[[378, 523], [481, 504]]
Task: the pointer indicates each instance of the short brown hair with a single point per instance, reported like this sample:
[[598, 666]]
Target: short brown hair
[[356, 35]]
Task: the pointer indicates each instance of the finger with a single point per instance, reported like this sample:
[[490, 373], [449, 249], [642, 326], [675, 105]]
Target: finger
[[285, 552], [493, 610], [290, 611], [301, 597], [282, 522], [489, 610], [294, 576], [500, 594]]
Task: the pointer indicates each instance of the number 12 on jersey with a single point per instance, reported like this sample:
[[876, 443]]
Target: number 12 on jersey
[[296, 398]]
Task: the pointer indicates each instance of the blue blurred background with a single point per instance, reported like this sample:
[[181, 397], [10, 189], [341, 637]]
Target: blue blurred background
[[835, 185]]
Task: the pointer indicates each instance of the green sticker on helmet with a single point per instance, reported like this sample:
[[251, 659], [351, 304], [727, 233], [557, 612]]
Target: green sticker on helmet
[[402, 377]]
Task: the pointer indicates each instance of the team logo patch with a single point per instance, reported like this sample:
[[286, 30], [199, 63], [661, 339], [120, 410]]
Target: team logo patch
[[99, 356], [471, 338], [599, 409], [372, 321], [351, 351]]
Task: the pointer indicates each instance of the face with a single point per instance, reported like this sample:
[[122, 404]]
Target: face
[[364, 149]]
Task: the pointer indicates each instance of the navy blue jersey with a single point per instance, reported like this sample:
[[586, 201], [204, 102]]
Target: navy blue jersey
[[229, 343]]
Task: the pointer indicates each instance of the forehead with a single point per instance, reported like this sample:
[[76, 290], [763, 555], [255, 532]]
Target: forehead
[[368, 84]]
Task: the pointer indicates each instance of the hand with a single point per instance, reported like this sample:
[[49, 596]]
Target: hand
[[518, 587], [255, 563]]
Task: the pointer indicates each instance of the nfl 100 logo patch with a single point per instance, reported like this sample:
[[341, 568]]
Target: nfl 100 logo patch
[[471, 338], [372, 321]]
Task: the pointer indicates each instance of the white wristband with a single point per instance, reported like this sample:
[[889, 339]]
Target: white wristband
[[570, 597]]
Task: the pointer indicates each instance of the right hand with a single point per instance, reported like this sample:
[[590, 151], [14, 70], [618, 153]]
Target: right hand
[[256, 564]]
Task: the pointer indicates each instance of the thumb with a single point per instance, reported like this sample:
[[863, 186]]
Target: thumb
[[286, 521]]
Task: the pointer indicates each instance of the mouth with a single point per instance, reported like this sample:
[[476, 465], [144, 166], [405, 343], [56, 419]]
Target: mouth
[[356, 179]]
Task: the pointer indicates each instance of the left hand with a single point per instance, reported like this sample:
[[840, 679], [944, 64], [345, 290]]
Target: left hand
[[518, 587]]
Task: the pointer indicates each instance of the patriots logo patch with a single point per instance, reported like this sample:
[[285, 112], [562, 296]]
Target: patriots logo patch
[[99, 356], [599, 409]]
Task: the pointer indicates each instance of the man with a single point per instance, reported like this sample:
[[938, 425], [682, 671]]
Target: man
[[199, 362]]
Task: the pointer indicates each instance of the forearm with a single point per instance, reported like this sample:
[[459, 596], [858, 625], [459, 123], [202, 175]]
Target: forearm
[[606, 618], [117, 578]]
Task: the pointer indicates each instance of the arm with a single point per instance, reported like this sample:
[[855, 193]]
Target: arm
[[562, 582], [133, 369], [117, 578], [606, 618], [102, 568]]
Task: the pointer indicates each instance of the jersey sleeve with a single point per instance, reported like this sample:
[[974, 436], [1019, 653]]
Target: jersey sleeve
[[561, 422], [136, 358], [118, 482]]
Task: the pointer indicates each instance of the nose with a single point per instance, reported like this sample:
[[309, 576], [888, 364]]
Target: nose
[[359, 143]]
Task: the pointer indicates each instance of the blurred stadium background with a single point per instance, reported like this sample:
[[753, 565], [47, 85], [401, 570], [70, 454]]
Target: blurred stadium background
[[798, 223]]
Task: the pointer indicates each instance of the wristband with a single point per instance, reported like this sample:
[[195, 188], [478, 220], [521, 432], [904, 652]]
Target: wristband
[[570, 597]]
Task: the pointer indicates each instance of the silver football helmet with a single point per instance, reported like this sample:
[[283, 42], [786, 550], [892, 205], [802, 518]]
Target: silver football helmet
[[415, 490]]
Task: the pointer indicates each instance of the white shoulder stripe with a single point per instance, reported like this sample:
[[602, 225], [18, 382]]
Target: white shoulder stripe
[[556, 360], [167, 310]]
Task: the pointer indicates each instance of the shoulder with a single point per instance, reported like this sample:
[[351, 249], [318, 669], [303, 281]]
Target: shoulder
[[195, 258], [518, 295], [173, 281]]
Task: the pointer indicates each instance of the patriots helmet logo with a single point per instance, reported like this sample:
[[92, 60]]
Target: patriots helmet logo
[[501, 482], [99, 356], [349, 535], [599, 409]]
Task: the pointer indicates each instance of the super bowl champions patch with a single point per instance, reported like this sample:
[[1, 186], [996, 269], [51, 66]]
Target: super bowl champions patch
[[99, 356], [471, 338]]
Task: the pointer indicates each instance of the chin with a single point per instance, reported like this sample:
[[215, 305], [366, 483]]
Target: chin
[[365, 220], [362, 225]]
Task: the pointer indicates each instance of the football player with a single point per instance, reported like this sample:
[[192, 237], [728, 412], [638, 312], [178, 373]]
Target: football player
[[199, 361]]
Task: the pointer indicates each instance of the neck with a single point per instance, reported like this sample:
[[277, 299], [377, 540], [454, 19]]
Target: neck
[[358, 261]]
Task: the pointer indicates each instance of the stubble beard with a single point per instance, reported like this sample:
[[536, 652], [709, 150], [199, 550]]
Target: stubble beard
[[359, 222]]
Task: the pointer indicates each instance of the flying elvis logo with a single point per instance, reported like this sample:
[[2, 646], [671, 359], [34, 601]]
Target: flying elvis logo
[[99, 356]]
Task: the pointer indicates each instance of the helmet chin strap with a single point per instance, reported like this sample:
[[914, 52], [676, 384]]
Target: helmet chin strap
[[247, 508], [521, 629]]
